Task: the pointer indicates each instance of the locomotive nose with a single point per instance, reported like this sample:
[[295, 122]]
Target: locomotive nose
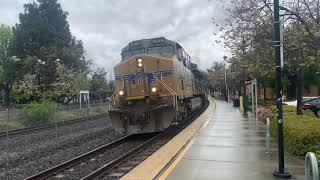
[[143, 76], [131, 80]]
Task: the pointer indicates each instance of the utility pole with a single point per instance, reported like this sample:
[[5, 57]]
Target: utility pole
[[281, 172]]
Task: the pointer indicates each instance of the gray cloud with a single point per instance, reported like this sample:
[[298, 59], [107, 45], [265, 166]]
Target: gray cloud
[[105, 27]]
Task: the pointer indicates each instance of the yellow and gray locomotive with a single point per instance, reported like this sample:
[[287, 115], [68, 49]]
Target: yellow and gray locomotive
[[156, 86]]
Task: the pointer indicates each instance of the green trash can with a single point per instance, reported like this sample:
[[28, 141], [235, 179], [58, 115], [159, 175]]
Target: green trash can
[[245, 103]]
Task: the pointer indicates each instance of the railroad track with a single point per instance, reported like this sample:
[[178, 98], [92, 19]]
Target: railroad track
[[127, 165], [47, 126], [102, 159], [107, 162]]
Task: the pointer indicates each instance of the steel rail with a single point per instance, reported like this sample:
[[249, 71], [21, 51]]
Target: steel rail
[[168, 134], [65, 165], [107, 167]]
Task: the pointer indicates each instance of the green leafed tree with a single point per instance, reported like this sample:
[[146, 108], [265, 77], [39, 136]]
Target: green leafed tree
[[216, 66], [99, 84], [41, 38], [27, 87], [249, 35], [8, 62], [69, 83]]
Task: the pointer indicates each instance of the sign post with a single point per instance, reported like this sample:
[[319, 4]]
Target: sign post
[[83, 92], [256, 93], [252, 99], [86, 97]]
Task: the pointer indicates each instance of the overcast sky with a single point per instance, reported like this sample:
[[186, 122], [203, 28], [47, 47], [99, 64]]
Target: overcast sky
[[106, 26]]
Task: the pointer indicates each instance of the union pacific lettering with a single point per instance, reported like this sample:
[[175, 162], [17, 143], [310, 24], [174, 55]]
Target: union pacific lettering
[[137, 77]]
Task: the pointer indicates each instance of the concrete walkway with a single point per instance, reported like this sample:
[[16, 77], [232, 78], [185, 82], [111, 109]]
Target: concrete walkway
[[232, 147]]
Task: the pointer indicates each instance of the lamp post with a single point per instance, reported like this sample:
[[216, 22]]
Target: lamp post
[[225, 78], [221, 86], [281, 172]]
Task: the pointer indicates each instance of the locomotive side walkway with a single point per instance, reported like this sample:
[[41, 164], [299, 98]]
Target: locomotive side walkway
[[221, 145]]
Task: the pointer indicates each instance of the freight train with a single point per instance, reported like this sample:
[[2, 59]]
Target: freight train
[[156, 86]]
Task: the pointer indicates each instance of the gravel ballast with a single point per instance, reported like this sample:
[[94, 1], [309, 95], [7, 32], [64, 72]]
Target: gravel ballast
[[29, 154]]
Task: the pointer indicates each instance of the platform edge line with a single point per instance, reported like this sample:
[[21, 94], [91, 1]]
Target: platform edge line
[[168, 168]]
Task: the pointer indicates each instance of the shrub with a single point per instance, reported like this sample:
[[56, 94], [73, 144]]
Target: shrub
[[264, 113], [285, 109], [309, 113], [289, 109], [39, 113], [301, 133], [318, 158]]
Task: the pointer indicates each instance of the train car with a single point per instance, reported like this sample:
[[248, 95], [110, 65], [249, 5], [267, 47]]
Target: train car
[[156, 86]]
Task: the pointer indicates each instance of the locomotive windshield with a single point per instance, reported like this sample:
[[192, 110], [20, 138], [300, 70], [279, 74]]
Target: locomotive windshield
[[149, 46], [160, 50], [133, 52], [151, 50]]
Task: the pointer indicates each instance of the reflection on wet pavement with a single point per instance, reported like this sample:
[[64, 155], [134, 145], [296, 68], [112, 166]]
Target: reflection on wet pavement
[[232, 147]]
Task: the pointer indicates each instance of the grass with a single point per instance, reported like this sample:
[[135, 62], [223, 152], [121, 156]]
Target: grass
[[13, 123]]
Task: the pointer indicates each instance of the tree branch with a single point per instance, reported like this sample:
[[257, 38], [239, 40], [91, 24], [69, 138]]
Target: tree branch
[[302, 21]]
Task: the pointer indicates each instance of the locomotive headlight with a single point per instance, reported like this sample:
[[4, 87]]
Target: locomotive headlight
[[140, 64], [139, 60], [121, 92], [153, 89]]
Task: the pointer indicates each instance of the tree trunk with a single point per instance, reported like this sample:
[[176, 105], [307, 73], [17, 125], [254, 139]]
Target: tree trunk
[[300, 90], [264, 94], [7, 90]]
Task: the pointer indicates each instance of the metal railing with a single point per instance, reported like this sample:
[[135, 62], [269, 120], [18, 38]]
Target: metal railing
[[311, 167]]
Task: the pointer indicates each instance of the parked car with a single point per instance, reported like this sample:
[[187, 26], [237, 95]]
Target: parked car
[[294, 102], [313, 105]]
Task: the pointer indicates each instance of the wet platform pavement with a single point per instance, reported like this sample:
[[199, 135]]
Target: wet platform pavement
[[230, 146]]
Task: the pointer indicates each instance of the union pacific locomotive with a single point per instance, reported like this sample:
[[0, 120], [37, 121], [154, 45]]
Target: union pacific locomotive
[[156, 86]]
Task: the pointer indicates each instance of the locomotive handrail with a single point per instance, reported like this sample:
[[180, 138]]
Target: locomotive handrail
[[311, 167], [113, 94], [112, 99], [175, 101], [170, 90]]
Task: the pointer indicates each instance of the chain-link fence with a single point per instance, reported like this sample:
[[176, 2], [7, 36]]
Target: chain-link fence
[[36, 129], [14, 119]]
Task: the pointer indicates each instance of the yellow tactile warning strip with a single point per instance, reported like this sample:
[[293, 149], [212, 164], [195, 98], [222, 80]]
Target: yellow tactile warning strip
[[167, 156], [172, 164]]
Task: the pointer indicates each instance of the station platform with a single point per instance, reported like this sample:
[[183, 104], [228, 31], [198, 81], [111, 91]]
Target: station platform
[[221, 144]]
